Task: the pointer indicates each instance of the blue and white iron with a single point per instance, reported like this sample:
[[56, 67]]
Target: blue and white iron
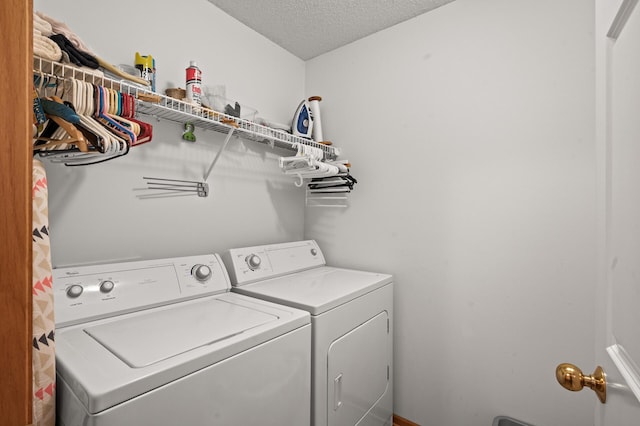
[[303, 120]]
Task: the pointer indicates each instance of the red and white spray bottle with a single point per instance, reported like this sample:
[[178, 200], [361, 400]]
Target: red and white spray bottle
[[194, 84]]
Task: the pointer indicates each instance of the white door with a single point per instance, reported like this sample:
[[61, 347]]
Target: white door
[[618, 345]]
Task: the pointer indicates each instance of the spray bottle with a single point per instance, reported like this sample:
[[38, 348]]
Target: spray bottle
[[146, 65], [194, 83]]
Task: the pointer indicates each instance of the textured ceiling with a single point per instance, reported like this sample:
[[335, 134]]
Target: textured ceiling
[[308, 28]]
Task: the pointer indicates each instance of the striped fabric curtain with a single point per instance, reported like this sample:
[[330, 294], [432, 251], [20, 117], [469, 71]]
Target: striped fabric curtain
[[44, 363]]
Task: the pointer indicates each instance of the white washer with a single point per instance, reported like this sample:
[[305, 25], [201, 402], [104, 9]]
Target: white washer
[[351, 316], [164, 342]]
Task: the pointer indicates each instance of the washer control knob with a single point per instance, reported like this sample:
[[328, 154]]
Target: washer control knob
[[75, 291], [314, 252], [107, 286], [253, 261], [201, 272]]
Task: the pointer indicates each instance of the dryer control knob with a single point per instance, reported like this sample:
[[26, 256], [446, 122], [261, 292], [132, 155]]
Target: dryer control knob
[[106, 286], [253, 261], [201, 272], [75, 291]]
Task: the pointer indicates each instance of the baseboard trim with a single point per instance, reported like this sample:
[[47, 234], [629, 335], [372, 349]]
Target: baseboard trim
[[401, 421]]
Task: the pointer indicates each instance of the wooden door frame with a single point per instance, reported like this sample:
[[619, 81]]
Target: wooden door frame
[[16, 23]]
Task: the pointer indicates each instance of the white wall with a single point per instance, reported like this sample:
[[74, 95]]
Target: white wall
[[94, 213], [471, 132]]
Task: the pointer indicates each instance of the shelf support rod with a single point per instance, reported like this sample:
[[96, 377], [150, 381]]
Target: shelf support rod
[[215, 160]]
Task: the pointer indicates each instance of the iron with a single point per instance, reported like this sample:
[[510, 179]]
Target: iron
[[302, 120]]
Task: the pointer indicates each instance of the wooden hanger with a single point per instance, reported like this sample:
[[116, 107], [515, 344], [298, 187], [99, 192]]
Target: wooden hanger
[[75, 136]]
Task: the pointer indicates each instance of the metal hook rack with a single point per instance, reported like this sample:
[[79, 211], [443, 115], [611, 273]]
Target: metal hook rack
[[174, 188], [178, 187]]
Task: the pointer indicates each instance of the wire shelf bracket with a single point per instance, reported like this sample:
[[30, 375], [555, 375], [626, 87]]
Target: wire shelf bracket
[[178, 187]]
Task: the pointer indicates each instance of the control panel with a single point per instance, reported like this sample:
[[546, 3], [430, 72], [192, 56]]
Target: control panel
[[250, 264], [90, 292]]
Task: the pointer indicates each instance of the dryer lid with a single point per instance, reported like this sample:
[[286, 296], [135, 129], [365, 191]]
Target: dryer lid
[[158, 335], [317, 290]]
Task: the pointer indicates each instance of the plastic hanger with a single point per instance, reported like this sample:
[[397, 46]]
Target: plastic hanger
[[82, 98], [307, 164], [117, 147], [114, 110], [101, 106], [78, 98], [84, 95], [146, 129]]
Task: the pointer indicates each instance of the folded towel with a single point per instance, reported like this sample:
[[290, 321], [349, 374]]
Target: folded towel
[[76, 55], [59, 27], [44, 47], [41, 25]]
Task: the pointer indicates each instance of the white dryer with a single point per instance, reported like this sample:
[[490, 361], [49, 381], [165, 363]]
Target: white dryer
[[351, 316], [164, 342]]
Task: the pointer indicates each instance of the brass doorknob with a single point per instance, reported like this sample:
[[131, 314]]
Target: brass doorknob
[[571, 378]]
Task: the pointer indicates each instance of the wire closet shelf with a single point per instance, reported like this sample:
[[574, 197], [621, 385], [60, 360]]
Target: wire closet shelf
[[165, 107]]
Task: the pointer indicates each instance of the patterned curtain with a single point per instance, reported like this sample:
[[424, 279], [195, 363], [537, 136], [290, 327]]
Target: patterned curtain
[[44, 363]]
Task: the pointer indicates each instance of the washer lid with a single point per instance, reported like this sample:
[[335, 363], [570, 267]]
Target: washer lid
[[112, 360], [155, 336], [316, 290]]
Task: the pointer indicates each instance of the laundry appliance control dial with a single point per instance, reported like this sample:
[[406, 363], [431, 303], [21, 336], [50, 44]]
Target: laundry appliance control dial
[[201, 272], [106, 286], [75, 291], [253, 261]]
